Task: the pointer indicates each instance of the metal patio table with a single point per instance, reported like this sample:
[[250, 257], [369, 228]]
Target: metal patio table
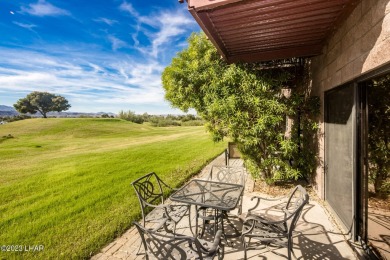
[[210, 194]]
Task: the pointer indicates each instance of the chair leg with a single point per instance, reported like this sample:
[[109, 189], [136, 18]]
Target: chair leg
[[240, 206], [197, 224], [215, 222], [196, 221], [245, 246], [222, 226], [189, 218], [204, 223], [289, 248], [139, 251], [206, 220], [221, 252]]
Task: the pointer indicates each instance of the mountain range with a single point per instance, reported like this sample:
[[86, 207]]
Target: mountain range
[[10, 111], [6, 108]]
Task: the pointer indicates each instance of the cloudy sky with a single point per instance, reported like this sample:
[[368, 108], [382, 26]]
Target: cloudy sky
[[102, 55]]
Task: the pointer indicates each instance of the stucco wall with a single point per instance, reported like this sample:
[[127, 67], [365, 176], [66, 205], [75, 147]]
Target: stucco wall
[[359, 45]]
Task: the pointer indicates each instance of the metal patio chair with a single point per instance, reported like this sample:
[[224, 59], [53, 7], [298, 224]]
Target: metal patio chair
[[150, 190], [274, 226], [227, 174], [179, 247]]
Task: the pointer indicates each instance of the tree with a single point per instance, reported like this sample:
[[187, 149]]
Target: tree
[[379, 133], [42, 102], [237, 101]]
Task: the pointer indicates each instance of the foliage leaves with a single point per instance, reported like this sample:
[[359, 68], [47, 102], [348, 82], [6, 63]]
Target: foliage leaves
[[42, 102], [131, 116], [379, 133], [239, 101]]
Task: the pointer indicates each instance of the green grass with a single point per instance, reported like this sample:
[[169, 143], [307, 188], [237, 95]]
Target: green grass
[[65, 183]]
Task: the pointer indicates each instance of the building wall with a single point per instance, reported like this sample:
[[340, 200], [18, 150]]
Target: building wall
[[359, 45]]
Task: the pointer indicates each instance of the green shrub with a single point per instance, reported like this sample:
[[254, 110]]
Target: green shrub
[[193, 123], [131, 116], [246, 104], [161, 121], [14, 118]]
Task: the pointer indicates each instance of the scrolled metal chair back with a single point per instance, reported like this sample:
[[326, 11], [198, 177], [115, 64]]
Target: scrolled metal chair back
[[228, 174], [177, 247], [149, 191], [297, 200]]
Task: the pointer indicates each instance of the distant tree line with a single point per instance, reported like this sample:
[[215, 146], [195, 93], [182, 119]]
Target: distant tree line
[[44, 102], [161, 120], [154, 120], [14, 118]]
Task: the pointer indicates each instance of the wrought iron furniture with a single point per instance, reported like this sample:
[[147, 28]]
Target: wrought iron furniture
[[225, 174], [276, 225], [150, 192], [219, 196], [229, 174], [178, 247]]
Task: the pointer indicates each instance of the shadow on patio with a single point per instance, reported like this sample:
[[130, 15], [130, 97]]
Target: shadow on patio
[[379, 231], [316, 237]]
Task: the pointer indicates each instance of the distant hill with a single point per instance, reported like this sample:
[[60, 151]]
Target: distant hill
[[10, 111], [6, 108]]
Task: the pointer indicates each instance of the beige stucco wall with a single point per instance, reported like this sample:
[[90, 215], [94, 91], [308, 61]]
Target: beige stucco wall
[[359, 45]]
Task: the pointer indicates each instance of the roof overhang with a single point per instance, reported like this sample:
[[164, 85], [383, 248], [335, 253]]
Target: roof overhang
[[261, 30]]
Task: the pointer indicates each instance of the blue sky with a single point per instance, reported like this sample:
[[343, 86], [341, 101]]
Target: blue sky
[[102, 55]]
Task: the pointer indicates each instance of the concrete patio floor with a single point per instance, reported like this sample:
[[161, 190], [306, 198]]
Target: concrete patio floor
[[379, 231], [316, 236]]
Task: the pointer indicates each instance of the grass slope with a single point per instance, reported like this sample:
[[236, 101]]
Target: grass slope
[[65, 183]]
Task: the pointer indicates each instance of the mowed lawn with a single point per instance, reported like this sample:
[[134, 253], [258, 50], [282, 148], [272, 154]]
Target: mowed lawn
[[65, 183]]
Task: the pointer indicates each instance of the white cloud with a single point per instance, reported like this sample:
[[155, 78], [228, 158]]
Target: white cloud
[[43, 8], [127, 7], [171, 25], [116, 43], [93, 79], [167, 26], [143, 75], [25, 26], [82, 81], [96, 68], [110, 22]]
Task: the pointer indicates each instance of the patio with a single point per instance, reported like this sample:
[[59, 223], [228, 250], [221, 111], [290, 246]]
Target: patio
[[316, 235]]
